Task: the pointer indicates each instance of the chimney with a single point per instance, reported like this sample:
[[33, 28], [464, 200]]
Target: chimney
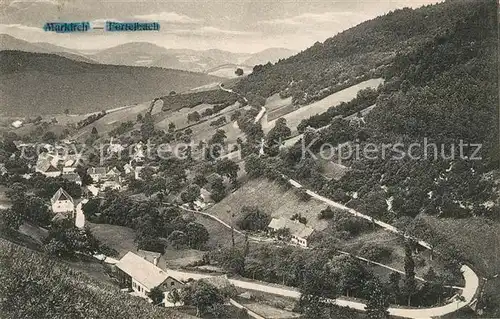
[[155, 261]]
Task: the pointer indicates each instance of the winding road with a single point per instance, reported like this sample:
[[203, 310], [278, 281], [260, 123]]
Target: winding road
[[470, 277]]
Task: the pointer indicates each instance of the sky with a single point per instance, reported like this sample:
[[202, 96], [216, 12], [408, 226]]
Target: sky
[[234, 25]]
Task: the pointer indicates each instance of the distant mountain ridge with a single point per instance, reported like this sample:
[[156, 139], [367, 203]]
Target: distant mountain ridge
[[40, 83], [152, 55], [8, 42], [148, 54]]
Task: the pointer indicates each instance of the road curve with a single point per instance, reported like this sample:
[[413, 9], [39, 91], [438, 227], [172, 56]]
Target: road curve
[[470, 277]]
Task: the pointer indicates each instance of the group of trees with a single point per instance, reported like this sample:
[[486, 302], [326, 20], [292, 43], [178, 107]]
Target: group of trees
[[30, 199], [364, 99], [253, 219], [178, 101], [66, 241], [155, 226], [91, 119]]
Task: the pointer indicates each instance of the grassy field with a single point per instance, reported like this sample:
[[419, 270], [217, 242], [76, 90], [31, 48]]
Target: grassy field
[[229, 72], [275, 102], [112, 120], [117, 237], [294, 118], [270, 198]]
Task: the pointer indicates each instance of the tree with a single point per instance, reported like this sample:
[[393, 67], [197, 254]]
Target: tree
[[239, 72], [91, 208], [228, 168], [197, 235], [409, 264], [178, 239], [147, 127], [278, 133], [377, 303], [65, 240], [217, 188], [171, 127], [174, 296], [202, 295], [49, 137], [156, 295], [254, 166], [191, 194], [232, 260], [94, 131], [140, 118], [10, 219], [394, 279], [253, 219], [194, 116], [66, 111]]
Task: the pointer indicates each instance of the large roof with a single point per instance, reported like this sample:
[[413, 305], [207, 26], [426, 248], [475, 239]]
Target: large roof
[[142, 270], [297, 229], [61, 194], [97, 170]]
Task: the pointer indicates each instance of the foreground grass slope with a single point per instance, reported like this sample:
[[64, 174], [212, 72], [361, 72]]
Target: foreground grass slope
[[34, 286], [49, 84]]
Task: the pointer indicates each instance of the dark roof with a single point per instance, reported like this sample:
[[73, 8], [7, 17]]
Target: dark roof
[[61, 194]]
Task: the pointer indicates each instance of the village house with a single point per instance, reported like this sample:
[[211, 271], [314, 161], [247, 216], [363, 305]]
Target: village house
[[47, 168], [299, 232], [128, 169], [113, 173], [63, 205], [114, 148], [97, 173], [111, 183], [72, 177], [141, 276], [204, 200], [17, 124], [138, 153]]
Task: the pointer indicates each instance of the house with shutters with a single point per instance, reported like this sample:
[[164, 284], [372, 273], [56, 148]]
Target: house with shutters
[[299, 233], [63, 205], [141, 276]]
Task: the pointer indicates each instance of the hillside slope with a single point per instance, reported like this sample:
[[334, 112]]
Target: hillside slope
[[8, 42], [35, 83], [364, 50], [34, 286]]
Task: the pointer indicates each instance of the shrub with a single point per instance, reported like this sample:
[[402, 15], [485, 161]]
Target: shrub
[[302, 194], [253, 219], [375, 252]]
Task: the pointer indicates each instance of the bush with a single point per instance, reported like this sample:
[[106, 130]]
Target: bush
[[301, 219], [343, 221], [375, 252], [253, 219], [302, 194]]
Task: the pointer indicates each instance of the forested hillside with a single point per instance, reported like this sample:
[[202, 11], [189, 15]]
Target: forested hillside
[[358, 53], [440, 88], [56, 83], [36, 286]]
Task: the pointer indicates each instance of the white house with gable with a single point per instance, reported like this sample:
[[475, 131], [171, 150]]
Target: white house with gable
[[299, 232], [63, 205], [142, 276]]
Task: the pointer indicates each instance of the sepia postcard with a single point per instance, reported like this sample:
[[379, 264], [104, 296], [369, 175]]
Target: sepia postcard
[[267, 159]]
